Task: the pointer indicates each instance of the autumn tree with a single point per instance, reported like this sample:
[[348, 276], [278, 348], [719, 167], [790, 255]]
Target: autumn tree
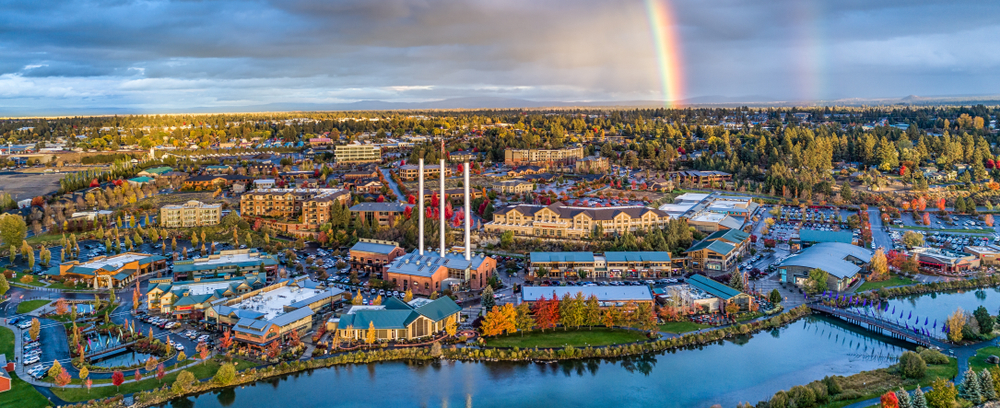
[[370, 334], [61, 307], [879, 267], [117, 378], [34, 329], [524, 321], [955, 322]]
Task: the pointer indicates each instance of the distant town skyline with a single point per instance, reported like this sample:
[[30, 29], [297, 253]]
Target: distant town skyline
[[143, 57]]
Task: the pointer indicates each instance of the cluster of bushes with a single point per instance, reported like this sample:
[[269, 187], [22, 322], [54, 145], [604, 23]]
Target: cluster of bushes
[[911, 368]]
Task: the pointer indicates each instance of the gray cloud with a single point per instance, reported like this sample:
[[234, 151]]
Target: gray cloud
[[168, 54]]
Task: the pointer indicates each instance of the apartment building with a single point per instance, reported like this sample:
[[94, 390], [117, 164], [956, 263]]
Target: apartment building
[[309, 205], [357, 153], [593, 165], [701, 178], [514, 157], [383, 213], [562, 221], [513, 186], [190, 214], [409, 172]]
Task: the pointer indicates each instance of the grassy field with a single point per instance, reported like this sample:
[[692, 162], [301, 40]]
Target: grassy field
[[978, 361], [21, 394], [17, 280], [964, 231], [559, 338], [682, 327], [47, 239], [895, 280], [200, 371], [25, 307]]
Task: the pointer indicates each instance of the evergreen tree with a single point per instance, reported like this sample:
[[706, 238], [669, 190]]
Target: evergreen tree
[[736, 281], [487, 301], [904, 398], [919, 401], [986, 385], [969, 389]]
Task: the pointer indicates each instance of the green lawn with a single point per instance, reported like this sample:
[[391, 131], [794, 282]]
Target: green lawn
[[17, 280], [978, 361], [21, 394], [560, 338], [44, 239], [966, 231], [25, 307], [200, 371], [895, 280], [682, 327]]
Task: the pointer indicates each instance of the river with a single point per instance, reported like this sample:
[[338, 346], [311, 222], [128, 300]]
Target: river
[[937, 306], [748, 369]]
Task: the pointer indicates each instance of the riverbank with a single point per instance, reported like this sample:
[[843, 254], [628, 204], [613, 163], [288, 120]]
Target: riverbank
[[161, 394], [838, 391]]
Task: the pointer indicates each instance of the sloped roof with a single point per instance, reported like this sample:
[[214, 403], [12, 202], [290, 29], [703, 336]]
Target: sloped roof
[[292, 316], [831, 257], [731, 235], [373, 247], [712, 287], [382, 319], [439, 309], [719, 247], [562, 257], [637, 256]]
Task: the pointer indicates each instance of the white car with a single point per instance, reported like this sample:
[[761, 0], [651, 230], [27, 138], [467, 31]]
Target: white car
[[25, 325], [31, 360], [178, 346]]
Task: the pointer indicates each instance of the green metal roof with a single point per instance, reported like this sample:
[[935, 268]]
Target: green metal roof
[[382, 319], [712, 287], [731, 235], [159, 170], [714, 246], [439, 309], [637, 256]]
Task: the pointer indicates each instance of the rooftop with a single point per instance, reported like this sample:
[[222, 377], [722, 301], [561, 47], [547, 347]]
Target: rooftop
[[272, 303], [115, 262], [603, 293], [831, 257], [710, 286]]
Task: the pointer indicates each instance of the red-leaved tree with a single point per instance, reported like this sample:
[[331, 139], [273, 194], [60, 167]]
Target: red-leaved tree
[[117, 378]]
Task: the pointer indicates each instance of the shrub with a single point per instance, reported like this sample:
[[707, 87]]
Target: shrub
[[226, 374], [931, 356], [912, 366]]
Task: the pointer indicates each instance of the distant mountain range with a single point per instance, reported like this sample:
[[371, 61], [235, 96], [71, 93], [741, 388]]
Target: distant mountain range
[[487, 102]]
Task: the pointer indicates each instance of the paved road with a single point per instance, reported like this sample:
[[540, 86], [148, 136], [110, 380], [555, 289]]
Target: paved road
[[393, 186], [879, 234]]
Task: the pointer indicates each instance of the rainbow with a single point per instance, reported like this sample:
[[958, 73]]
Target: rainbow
[[668, 55]]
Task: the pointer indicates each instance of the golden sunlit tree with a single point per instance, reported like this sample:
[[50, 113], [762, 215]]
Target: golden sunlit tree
[[879, 266], [956, 321]]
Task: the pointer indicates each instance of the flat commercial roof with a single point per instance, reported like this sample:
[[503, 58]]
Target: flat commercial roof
[[603, 293], [710, 286], [272, 304], [113, 263]]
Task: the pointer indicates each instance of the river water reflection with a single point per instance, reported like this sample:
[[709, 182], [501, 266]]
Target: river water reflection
[[749, 369]]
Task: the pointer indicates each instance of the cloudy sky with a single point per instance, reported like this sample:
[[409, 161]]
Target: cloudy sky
[[170, 55]]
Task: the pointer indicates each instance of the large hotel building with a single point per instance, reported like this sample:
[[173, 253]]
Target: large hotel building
[[357, 153], [190, 214], [516, 157], [562, 221], [309, 207]]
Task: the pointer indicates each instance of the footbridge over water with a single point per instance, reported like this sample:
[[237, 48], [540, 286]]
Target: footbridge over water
[[881, 326]]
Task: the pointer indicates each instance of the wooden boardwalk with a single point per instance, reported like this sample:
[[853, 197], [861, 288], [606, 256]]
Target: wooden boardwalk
[[881, 326]]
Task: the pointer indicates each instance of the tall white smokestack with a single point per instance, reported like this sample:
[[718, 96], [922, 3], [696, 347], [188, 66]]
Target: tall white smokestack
[[441, 205], [420, 197], [468, 214]]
